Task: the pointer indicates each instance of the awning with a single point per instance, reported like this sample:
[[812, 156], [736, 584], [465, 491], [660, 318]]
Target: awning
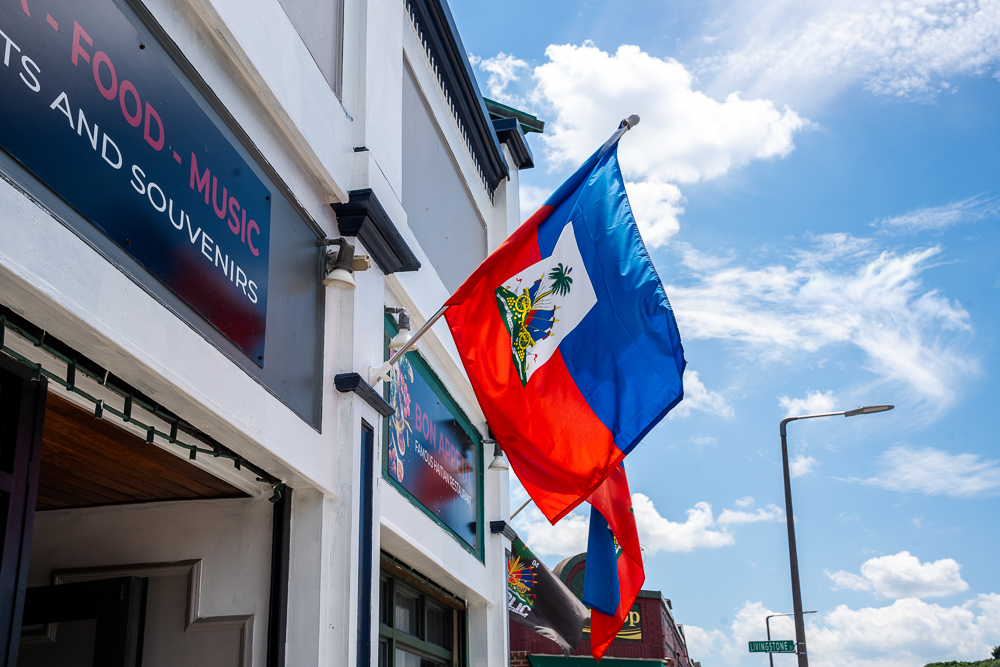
[[583, 661]]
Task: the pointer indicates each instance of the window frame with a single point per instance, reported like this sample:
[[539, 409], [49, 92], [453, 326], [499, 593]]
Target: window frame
[[393, 639]]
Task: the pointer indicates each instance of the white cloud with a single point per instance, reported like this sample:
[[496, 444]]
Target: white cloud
[[530, 198], [588, 91], [696, 137], [902, 575], [842, 579], [813, 50], [660, 534], [584, 92], [906, 633], [838, 292], [702, 441], [698, 397], [567, 538], [769, 513], [711, 646], [656, 533], [941, 217], [701, 643], [801, 465], [657, 209], [935, 472], [745, 501], [814, 403], [503, 69]]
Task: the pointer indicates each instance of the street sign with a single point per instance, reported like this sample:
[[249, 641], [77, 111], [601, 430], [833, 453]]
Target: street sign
[[786, 646]]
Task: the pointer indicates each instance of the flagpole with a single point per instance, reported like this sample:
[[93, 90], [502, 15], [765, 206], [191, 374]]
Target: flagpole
[[518, 510], [623, 127], [383, 371]]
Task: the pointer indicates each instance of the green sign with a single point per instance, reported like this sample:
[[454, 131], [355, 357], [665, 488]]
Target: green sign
[[786, 646]]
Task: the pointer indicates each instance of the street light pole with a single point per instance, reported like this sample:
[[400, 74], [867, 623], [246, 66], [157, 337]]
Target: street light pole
[[793, 559], [767, 622]]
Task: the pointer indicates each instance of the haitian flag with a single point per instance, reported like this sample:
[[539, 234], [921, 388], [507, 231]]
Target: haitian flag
[[568, 339], [614, 573]]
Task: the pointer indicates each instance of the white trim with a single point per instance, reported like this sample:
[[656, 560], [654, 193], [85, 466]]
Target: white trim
[[287, 126]]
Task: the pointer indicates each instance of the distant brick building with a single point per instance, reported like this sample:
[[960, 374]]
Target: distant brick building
[[649, 635]]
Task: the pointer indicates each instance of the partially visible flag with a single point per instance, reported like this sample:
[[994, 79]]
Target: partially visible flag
[[540, 601], [568, 339], [614, 573]]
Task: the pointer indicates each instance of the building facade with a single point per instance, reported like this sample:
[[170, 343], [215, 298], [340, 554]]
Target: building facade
[[194, 465], [649, 637]]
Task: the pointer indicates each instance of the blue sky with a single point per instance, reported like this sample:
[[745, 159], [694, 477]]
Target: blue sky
[[817, 184]]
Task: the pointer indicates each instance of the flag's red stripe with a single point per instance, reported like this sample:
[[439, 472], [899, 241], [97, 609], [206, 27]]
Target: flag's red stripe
[[507, 251], [556, 444], [560, 448], [614, 501]]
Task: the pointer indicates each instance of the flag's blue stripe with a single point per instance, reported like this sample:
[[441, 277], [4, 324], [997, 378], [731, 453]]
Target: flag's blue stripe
[[572, 183], [625, 356], [601, 589]]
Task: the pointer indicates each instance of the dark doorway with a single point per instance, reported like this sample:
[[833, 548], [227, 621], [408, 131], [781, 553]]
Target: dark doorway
[[22, 413], [117, 605], [55, 455]]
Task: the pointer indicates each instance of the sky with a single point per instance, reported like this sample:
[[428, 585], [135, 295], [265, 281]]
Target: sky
[[816, 183]]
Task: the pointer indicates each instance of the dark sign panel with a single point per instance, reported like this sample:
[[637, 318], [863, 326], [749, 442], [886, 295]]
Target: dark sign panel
[[538, 600], [106, 124], [430, 454]]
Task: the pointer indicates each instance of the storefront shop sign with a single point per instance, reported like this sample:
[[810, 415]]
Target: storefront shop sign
[[430, 452], [631, 630], [108, 126]]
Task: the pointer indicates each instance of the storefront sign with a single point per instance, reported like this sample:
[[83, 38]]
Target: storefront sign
[[429, 452], [107, 125], [632, 628]]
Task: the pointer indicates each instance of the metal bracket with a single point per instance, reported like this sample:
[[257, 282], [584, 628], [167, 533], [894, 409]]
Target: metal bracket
[[348, 382], [503, 528]]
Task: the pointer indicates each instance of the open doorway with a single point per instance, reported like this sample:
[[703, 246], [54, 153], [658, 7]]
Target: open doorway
[[118, 550]]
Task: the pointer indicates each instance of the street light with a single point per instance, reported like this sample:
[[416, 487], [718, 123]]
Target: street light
[[767, 622], [499, 460], [793, 559]]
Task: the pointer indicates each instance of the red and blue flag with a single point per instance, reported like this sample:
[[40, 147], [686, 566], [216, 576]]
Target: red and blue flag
[[568, 339], [614, 573]]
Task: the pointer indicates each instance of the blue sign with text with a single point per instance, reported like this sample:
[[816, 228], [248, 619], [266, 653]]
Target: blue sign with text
[[430, 454], [102, 120]]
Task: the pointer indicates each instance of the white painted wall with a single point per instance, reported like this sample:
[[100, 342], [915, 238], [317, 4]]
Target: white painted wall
[[258, 65], [440, 208], [230, 540], [507, 199]]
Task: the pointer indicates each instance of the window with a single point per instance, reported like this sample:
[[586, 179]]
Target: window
[[420, 625]]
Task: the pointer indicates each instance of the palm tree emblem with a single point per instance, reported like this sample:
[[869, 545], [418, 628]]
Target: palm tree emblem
[[530, 315], [561, 282]]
